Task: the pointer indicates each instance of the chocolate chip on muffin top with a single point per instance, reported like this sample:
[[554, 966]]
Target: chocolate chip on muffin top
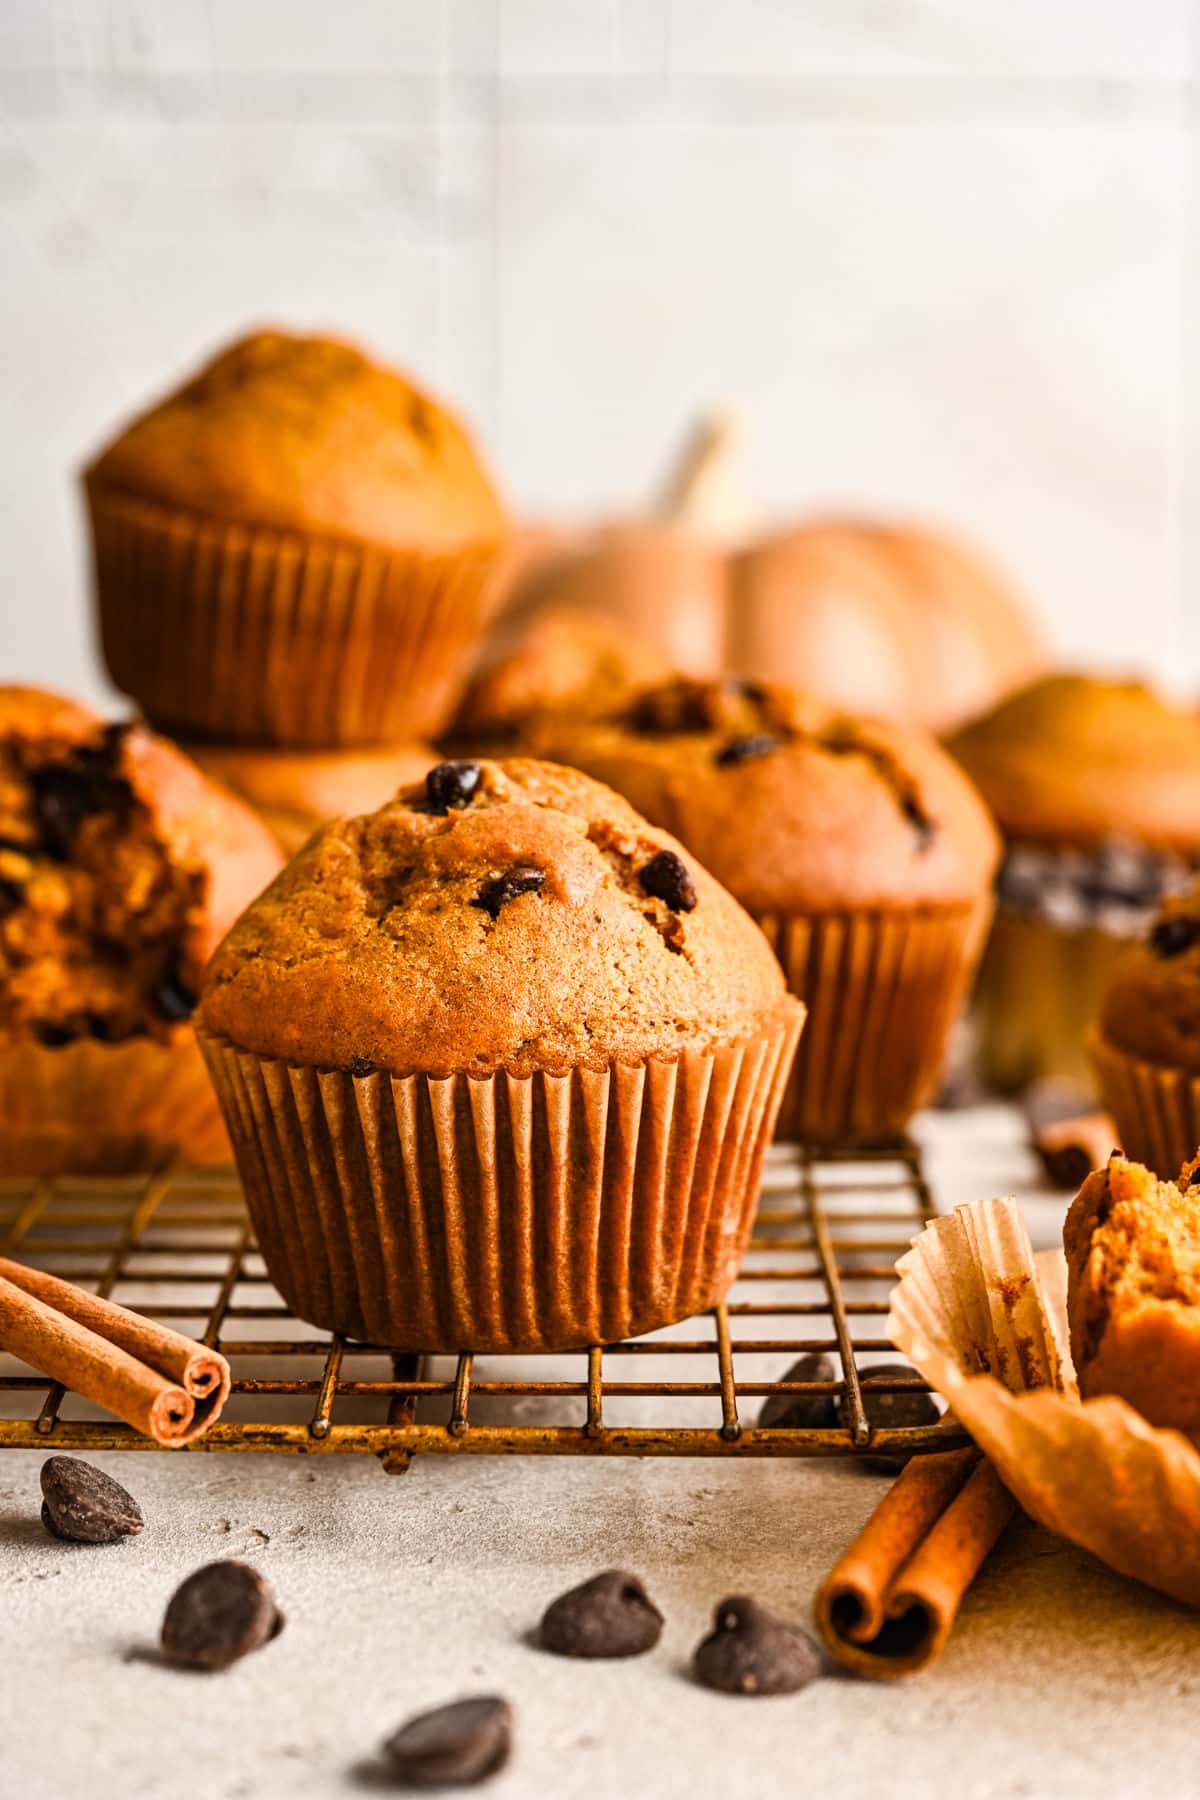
[[1151, 1007], [515, 929], [792, 804]]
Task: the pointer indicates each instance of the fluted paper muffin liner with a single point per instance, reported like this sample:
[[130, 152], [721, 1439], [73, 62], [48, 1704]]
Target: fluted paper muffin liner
[[88, 1108], [265, 636], [984, 1321], [883, 990], [1156, 1110], [501, 1213]]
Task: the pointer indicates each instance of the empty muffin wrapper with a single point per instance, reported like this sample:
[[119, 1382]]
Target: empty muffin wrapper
[[984, 1321]]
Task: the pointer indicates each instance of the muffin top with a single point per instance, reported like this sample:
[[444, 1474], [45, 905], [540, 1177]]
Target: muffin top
[[121, 868], [560, 662], [1151, 1007], [1076, 760], [500, 915], [794, 806], [307, 434]]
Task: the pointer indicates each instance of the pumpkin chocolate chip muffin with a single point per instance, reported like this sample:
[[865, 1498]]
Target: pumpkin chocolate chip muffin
[[1133, 1290], [859, 848], [294, 791], [500, 1063], [1095, 785], [292, 548], [120, 869], [1145, 1044]]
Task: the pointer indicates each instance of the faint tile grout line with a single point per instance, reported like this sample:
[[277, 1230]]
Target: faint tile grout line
[[1181, 427], [495, 110], [233, 96]]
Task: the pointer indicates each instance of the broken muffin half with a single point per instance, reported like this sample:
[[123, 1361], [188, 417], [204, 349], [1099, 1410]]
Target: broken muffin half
[[121, 867], [1133, 1295]]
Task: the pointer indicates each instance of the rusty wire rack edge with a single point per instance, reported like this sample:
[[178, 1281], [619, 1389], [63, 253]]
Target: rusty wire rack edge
[[397, 1440]]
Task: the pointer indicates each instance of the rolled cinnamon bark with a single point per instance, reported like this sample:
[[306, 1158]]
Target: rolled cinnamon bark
[[1069, 1149], [159, 1381], [888, 1605]]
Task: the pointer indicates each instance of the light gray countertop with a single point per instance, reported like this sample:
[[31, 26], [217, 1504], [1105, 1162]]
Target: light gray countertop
[[401, 1592]]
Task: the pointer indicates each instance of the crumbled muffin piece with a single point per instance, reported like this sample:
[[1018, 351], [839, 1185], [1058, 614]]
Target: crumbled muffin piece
[[1133, 1258], [108, 845]]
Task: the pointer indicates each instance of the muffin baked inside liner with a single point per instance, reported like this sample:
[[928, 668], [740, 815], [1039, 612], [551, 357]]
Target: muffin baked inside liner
[[500, 1066]]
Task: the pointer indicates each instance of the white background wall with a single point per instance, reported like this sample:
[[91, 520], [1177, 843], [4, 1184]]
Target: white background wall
[[940, 254]]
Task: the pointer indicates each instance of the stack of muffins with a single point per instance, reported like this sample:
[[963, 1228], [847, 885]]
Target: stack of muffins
[[291, 558]]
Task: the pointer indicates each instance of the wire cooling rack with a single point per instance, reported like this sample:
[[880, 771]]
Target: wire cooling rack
[[179, 1248]]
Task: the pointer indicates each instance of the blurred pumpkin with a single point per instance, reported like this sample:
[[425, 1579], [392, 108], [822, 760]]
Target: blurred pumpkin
[[897, 620]]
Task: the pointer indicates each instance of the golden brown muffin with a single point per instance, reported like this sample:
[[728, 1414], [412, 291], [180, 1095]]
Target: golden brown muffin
[[1096, 787], [1077, 760], [292, 548], [500, 1064], [120, 869], [1146, 1042], [560, 663], [294, 791], [861, 850], [1133, 1290]]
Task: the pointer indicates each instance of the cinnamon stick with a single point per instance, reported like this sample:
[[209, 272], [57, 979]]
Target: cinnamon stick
[[162, 1383], [1069, 1149], [889, 1603], [1069, 1136]]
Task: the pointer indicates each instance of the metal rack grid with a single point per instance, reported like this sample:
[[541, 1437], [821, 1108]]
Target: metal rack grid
[[179, 1247]]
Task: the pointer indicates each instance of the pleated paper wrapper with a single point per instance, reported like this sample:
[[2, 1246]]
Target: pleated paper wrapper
[[883, 990], [1156, 1110], [88, 1108], [985, 1323], [264, 636], [501, 1213]]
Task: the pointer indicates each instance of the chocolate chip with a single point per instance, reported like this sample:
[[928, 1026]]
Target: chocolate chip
[[174, 999], [54, 1035], [610, 1615], [11, 896], [1171, 937], [920, 821], [813, 1412], [906, 1410], [678, 706], [752, 1651], [451, 784], [668, 878], [453, 1746], [62, 798], [361, 1065], [504, 888], [84, 1505], [219, 1614], [745, 749]]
